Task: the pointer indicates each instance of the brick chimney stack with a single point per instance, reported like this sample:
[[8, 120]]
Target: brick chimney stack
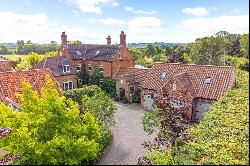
[[64, 38], [108, 40], [123, 39]]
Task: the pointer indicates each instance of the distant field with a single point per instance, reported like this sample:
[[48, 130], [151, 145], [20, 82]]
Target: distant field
[[15, 56]]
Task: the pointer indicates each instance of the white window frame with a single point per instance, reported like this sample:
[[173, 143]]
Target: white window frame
[[67, 69], [120, 55], [79, 65], [101, 81], [89, 66], [174, 86], [64, 85], [102, 68]]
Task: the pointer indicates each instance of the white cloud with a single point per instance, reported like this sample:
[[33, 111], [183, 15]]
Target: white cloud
[[138, 11], [37, 28], [92, 6], [208, 26], [198, 11], [111, 22], [145, 29]]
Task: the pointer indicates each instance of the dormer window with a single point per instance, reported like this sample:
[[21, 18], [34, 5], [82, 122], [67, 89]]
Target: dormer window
[[207, 80], [78, 68], [101, 68], [66, 68]]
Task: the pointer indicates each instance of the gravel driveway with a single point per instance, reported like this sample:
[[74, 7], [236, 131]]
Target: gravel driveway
[[128, 135]]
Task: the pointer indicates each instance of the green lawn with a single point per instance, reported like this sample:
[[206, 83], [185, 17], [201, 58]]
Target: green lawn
[[15, 56]]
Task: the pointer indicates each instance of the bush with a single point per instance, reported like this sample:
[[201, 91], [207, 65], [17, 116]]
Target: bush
[[77, 94], [50, 130]]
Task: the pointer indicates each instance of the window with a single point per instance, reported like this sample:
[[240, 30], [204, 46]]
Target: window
[[101, 81], [174, 86], [78, 53], [120, 56], [66, 68], [207, 80], [68, 85], [89, 67], [101, 67], [78, 68], [163, 75]]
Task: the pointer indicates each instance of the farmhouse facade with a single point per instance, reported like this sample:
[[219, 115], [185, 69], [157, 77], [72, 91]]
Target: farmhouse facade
[[109, 58]]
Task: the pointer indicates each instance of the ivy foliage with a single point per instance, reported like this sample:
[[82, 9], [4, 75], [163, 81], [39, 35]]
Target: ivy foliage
[[221, 138], [50, 130]]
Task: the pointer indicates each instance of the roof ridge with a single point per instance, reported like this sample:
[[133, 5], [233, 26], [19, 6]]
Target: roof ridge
[[192, 64], [25, 71]]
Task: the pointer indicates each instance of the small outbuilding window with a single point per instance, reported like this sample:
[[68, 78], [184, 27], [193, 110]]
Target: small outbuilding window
[[207, 80], [174, 86], [163, 76]]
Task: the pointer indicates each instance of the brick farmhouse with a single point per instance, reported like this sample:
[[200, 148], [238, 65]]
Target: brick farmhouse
[[109, 58], [189, 85]]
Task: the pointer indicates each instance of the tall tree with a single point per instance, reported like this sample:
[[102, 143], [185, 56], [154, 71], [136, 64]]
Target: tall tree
[[244, 44], [151, 50]]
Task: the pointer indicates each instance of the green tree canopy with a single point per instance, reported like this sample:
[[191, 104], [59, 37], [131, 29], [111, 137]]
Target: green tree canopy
[[50, 130], [244, 44], [151, 50]]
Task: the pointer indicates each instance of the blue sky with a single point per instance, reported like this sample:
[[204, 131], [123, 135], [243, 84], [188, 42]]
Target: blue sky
[[90, 21]]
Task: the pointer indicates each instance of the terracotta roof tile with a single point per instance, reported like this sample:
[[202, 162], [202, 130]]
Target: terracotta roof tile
[[10, 82], [222, 78], [138, 73], [94, 51]]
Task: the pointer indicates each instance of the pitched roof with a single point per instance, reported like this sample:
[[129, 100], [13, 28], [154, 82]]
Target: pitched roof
[[6, 64], [139, 74], [10, 83], [94, 51], [185, 80], [55, 64], [222, 78]]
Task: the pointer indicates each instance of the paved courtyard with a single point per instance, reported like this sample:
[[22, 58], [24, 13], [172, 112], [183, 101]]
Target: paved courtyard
[[128, 135]]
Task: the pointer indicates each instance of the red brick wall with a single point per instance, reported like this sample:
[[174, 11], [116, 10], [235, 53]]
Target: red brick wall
[[66, 78], [180, 93], [121, 83]]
